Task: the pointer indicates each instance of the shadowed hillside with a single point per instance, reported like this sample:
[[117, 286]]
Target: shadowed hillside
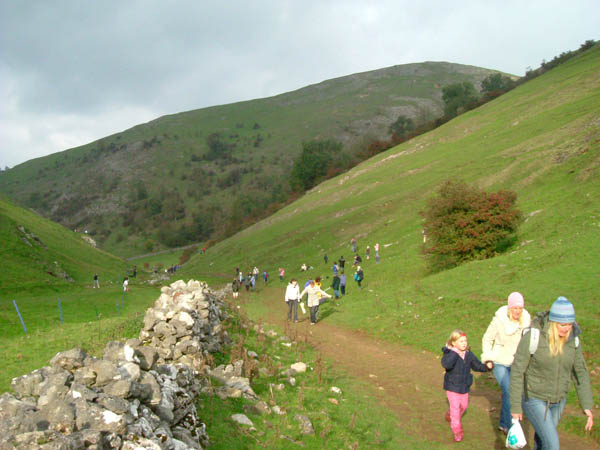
[[207, 173], [40, 255]]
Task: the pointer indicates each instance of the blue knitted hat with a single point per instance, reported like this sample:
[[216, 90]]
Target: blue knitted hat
[[562, 311]]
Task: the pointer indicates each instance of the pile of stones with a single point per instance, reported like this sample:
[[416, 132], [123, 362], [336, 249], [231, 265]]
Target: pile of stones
[[140, 395]]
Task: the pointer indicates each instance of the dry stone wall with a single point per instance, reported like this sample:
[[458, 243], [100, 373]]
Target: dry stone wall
[[140, 395]]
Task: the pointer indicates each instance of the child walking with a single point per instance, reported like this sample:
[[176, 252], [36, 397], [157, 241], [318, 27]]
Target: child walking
[[458, 361]]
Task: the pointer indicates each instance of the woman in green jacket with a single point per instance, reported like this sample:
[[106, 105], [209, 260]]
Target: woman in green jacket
[[548, 357]]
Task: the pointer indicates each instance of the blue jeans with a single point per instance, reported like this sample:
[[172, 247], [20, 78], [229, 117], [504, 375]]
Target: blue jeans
[[502, 374], [544, 419]]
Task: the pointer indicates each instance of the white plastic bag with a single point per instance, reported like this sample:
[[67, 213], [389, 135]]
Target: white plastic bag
[[515, 437], [302, 308]]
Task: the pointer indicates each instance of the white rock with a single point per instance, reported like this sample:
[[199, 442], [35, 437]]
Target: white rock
[[242, 419], [337, 390], [110, 417], [186, 318], [299, 367]]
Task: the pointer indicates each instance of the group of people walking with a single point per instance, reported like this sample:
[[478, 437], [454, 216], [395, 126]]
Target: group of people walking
[[534, 362]]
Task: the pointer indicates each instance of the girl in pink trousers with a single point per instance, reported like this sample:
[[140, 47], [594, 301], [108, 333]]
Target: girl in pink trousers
[[458, 361]]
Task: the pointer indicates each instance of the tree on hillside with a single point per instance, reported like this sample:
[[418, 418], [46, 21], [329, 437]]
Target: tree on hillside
[[217, 147], [402, 128], [458, 97], [496, 84], [463, 223], [313, 163]]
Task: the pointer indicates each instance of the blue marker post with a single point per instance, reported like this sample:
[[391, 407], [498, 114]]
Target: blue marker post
[[60, 310], [20, 318]]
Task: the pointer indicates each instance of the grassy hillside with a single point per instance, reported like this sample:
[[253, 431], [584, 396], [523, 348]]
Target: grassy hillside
[[48, 270], [541, 140], [41, 256], [134, 190]]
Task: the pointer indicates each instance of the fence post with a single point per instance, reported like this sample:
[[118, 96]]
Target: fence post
[[20, 318], [60, 310]]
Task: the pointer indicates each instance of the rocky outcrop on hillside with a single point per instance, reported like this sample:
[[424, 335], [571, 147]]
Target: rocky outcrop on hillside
[[140, 394]]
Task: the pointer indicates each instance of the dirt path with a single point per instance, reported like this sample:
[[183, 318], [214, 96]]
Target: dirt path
[[406, 381]]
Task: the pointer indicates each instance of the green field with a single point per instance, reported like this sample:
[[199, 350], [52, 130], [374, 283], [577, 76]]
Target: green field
[[541, 140]]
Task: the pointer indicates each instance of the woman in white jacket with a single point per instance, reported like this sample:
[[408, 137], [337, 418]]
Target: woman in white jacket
[[499, 345], [313, 292]]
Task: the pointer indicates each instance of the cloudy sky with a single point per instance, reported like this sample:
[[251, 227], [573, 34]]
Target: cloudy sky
[[73, 71]]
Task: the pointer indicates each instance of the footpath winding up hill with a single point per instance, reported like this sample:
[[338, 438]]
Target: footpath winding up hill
[[541, 140]]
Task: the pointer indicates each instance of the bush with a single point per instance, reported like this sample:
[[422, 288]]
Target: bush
[[463, 223], [149, 245], [313, 163], [458, 98]]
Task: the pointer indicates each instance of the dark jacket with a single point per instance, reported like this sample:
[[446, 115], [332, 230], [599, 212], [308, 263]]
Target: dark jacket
[[336, 283], [458, 377], [546, 377]]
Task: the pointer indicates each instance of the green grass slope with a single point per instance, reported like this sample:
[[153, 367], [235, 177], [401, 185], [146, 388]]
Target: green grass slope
[[125, 187], [541, 140], [41, 256]]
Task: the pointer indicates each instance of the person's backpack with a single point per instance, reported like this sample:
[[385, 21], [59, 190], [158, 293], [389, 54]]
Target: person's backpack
[[535, 339], [356, 277]]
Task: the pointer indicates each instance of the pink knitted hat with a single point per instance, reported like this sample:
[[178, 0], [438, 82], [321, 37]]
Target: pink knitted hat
[[515, 299]]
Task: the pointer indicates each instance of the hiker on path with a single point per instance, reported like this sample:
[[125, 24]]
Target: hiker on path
[[313, 300], [342, 283], [126, 284], [499, 344], [359, 275], [354, 247], [377, 257], [335, 285], [342, 262], [96, 282], [266, 277], [357, 260], [303, 268], [368, 252], [248, 281], [334, 268], [292, 297], [281, 273], [549, 368], [458, 361], [235, 287], [325, 258]]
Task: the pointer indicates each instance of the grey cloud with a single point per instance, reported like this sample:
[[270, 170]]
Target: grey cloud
[[88, 59]]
